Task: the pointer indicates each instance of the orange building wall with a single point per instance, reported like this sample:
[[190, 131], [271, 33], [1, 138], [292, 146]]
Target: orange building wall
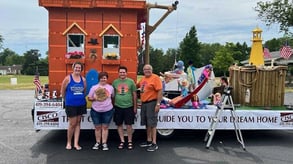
[[93, 21]]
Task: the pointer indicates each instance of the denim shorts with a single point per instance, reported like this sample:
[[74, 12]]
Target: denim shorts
[[101, 118]]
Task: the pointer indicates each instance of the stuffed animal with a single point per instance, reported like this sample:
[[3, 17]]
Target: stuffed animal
[[101, 94]]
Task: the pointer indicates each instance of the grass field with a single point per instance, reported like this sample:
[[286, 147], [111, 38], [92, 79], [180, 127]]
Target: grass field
[[25, 82]]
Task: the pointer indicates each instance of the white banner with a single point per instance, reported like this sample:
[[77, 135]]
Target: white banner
[[51, 115]]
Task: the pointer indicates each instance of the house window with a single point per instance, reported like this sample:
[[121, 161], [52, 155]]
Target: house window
[[75, 43], [111, 47]]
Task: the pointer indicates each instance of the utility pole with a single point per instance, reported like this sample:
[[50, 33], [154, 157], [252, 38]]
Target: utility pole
[[149, 29]]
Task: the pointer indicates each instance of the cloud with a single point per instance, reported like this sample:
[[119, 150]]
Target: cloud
[[24, 26], [215, 21]]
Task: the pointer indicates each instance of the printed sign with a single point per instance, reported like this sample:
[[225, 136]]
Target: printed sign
[[52, 116], [51, 105]]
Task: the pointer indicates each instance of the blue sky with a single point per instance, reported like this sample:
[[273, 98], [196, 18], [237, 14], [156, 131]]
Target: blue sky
[[24, 24]]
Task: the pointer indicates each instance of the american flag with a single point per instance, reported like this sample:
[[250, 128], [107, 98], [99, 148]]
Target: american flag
[[266, 53], [143, 39], [37, 83], [286, 52]]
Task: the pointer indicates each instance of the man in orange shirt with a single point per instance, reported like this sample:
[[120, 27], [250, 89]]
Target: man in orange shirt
[[151, 95]]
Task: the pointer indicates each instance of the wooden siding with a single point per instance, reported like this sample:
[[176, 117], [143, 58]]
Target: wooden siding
[[92, 17]]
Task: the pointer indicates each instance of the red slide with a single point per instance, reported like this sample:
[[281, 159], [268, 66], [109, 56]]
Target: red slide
[[188, 97]]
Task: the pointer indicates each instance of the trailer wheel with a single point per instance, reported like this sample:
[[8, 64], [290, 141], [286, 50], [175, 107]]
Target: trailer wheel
[[165, 133]]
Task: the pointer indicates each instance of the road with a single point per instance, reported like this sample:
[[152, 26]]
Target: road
[[20, 144]]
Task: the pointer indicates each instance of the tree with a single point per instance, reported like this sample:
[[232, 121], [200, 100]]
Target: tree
[[189, 48], [31, 62], [169, 59], [207, 53], [276, 12], [14, 59], [9, 57], [222, 60], [275, 44], [239, 52], [43, 66], [156, 58]]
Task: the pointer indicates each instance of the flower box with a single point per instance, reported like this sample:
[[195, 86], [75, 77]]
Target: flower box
[[74, 55], [71, 61], [111, 61], [111, 56]]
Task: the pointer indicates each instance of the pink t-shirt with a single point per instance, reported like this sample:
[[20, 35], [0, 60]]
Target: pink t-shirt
[[105, 105]]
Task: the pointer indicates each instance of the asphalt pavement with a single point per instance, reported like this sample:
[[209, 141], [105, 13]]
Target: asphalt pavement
[[20, 144]]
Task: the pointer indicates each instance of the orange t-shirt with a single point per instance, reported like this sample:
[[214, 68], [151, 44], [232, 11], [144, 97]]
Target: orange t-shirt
[[149, 87]]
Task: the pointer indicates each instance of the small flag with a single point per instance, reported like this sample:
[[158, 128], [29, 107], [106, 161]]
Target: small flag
[[143, 39], [37, 83], [286, 52], [175, 63], [266, 53]]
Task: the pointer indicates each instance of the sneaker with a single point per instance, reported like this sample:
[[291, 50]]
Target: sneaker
[[96, 146], [105, 147], [145, 144], [153, 147]]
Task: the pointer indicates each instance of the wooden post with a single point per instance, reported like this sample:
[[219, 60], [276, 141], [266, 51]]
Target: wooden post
[[149, 29]]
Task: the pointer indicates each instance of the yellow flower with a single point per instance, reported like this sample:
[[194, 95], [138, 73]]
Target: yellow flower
[[111, 55]]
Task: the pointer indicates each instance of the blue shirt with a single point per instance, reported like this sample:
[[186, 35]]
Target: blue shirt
[[75, 93]]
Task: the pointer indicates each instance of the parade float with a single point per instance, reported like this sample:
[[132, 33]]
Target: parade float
[[108, 39]]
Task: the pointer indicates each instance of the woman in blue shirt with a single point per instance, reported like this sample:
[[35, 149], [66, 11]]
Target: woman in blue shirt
[[73, 91]]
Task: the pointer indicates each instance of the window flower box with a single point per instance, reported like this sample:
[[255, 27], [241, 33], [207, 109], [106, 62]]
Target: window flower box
[[74, 55], [71, 61], [111, 56], [110, 62]]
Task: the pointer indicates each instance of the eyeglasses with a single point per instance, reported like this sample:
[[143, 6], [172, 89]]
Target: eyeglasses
[[147, 69], [122, 72]]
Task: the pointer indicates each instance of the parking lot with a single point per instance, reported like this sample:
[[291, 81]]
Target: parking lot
[[20, 144]]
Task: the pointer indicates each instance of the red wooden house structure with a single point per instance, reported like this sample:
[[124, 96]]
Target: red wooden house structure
[[102, 34]]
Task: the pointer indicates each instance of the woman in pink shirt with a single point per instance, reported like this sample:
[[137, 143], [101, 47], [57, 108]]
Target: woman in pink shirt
[[102, 110]]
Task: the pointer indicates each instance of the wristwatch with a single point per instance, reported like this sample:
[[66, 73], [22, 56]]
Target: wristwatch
[[158, 104]]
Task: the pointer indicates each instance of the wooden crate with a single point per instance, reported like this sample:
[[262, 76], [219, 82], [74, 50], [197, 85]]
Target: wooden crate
[[265, 84]]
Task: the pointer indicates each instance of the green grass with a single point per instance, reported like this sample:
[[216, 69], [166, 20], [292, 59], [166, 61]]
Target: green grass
[[265, 108], [24, 82]]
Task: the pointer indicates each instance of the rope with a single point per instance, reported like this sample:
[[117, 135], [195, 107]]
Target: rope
[[176, 33], [249, 83]]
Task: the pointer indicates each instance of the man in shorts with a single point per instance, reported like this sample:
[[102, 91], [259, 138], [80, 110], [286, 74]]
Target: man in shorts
[[125, 106], [151, 95]]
